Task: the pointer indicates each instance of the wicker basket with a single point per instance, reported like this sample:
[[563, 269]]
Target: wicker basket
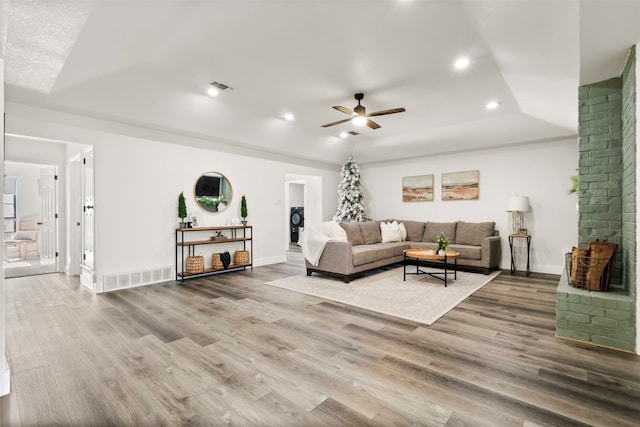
[[216, 263], [241, 257], [195, 264]]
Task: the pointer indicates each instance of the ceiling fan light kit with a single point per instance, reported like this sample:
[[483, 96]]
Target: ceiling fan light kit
[[359, 120], [359, 114]]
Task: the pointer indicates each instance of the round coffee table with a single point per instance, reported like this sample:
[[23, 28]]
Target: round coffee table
[[416, 255]]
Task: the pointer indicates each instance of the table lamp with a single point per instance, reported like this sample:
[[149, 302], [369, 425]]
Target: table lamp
[[518, 205]]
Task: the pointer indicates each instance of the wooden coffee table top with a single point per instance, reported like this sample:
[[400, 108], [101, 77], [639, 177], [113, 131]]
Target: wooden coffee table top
[[426, 254]]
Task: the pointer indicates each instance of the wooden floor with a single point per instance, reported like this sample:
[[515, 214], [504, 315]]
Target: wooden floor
[[229, 350]]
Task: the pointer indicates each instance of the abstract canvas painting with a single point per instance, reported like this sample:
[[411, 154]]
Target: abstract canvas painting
[[417, 188], [461, 185]]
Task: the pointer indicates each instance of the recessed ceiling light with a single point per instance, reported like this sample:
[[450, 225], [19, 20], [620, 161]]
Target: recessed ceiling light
[[344, 135], [212, 91], [289, 117], [491, 105], [462, 63]]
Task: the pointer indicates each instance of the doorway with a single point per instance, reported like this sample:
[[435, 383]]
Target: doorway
[[31, 219], [303, 206]]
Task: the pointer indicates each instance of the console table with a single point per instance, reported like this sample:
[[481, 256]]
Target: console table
[[187, 239], [513, 258]]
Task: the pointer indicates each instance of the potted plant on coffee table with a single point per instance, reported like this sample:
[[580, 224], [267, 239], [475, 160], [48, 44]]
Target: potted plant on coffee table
[[441, 244]]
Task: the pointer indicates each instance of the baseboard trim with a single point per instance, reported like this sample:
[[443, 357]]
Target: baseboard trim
[[5, 382], [270, 260]]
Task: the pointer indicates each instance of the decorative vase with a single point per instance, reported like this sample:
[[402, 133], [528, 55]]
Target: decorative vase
[[221, 206], [441, 252], [244, 221]]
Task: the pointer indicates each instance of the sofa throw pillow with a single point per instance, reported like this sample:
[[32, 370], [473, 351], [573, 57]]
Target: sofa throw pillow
[[390, 232], [415, 230], [370, 231], [433, 229], [403, 232], [353, 232], [472, 233]]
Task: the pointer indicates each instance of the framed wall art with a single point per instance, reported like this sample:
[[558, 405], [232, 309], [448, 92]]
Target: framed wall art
[[417, 188], [461, 185]]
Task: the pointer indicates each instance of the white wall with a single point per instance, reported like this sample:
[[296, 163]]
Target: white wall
[[637, 273], [296, 194], [539, 171], [4, 367], [137, 182]]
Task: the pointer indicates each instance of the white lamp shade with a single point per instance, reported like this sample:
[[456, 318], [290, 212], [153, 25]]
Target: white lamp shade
[[518, 204]]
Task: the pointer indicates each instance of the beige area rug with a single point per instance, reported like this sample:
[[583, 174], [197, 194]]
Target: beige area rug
[[421, 298]]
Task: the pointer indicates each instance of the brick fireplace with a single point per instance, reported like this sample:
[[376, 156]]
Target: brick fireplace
[[607, 207]]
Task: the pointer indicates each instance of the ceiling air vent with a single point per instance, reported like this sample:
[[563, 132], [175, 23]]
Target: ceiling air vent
[[353, 133], [219, 86]]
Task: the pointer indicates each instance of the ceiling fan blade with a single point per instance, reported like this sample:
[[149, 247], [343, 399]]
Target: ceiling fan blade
[[336, 123], [343, 109], [389, 111], [372, 124]]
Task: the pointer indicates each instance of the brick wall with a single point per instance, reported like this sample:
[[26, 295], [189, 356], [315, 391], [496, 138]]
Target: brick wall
[[628, 116], [607, 206], [603, 318], [600, 167]]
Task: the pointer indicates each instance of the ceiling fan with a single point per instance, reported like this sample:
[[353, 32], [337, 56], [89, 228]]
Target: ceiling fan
[[359, 115]]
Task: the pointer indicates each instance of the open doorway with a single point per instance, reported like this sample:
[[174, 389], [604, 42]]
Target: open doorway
[[30, 219], [67, 209], [303, 206]]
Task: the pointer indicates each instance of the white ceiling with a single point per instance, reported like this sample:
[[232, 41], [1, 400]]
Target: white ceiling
[[148, 63]]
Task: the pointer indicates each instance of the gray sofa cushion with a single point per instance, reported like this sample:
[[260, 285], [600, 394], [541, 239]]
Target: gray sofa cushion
[[370, 231], [415, 230], [433, 229], [466, 251], [365, 254], [354, 236], [472, 233]]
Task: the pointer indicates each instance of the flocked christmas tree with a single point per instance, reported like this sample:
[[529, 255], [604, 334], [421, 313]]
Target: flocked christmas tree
[[350, 207]]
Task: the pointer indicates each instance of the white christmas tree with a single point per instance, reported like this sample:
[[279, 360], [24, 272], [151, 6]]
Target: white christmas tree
[[350, 207]]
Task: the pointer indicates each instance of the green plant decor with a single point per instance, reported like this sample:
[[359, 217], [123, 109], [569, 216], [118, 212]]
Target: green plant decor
[[442, 242], [243, 207], [182, 207], [575, 184]]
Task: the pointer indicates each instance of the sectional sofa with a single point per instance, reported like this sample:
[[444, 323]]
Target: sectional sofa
[[356, 247]]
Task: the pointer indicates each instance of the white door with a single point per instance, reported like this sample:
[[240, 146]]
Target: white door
[[88, 218], [48, 185], [75, 215]]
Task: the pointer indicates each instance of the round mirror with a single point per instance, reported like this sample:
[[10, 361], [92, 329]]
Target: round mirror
[[213, 192]]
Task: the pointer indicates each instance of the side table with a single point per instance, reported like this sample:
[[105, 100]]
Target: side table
[[513, 261]]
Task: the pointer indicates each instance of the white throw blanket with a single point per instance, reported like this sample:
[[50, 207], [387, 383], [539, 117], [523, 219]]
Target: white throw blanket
[[312, 242], [315, 237]]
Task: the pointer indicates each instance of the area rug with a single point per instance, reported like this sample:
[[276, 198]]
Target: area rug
[[421, 298]]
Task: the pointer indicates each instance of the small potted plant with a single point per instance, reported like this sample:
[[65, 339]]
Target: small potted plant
[[243, 209], [182, 211], [442, 243]]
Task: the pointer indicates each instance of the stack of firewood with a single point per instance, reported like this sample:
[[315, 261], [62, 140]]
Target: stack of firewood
[[592, 268]]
